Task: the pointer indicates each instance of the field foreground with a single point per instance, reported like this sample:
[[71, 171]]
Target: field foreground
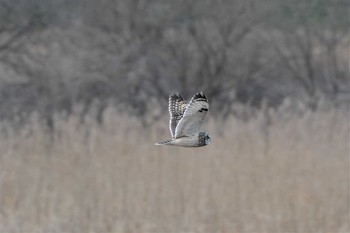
[[279, 172]]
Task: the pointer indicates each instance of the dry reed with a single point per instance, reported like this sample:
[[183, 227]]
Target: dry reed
[[278, 172]]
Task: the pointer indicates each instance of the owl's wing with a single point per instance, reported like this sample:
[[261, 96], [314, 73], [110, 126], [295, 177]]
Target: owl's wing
[[177, 106], [193, 117]]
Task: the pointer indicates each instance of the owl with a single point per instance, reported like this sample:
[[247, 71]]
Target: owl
[[186, 120]]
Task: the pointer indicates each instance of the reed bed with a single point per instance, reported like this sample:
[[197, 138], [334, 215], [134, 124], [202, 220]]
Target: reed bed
[[280, 171]]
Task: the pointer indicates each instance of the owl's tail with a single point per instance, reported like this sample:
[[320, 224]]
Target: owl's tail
[[163, 142]]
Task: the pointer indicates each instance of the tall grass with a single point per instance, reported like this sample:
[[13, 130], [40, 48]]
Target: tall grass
[[278, 172]]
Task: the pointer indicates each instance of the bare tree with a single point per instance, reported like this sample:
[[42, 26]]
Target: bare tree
[[310, 52], [135, 53], [11, 30]]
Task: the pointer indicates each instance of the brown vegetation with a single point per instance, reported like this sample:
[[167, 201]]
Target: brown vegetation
[[278, 172]]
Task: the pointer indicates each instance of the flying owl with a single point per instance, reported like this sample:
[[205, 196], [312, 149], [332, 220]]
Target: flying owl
[[186, 120]]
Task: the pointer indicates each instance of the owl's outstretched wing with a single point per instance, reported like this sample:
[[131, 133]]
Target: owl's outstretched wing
[[177, 106], [193, 117]]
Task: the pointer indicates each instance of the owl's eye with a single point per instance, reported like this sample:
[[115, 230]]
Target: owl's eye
[[207, 139]]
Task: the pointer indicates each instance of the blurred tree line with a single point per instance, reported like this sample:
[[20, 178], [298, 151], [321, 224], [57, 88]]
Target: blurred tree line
[[55, 54]]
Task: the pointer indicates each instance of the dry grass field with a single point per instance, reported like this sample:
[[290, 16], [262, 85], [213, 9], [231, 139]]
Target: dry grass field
[[278, 172]]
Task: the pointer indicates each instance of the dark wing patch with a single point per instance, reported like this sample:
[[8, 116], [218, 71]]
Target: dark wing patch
[[203, 110], [199, 97]]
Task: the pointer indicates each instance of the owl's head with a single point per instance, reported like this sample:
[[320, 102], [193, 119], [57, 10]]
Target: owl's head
[[204, 138]]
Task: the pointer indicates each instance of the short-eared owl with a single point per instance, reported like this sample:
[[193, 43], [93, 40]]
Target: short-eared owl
[[186, 120]]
